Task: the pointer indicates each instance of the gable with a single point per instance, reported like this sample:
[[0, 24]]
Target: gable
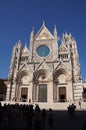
[[43, 34], [63, 48], [61, 65], [43, 65], [25, 51]]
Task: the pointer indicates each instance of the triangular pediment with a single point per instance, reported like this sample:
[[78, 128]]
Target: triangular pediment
[[25, 51], [27, 67], [61, 65], [43, 34], [25, 70], [43, 65], [63, 48]]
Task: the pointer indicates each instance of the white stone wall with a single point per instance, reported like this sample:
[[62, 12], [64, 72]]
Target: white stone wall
[[64, 68]]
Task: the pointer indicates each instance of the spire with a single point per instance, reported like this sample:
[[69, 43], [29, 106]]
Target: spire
[[25, 50], [14, 49], [32, 35], [32, 29], [55, 30], [43, 23], [19, 43], [55, 33], [55, 44], [15, 46], [25, 44]]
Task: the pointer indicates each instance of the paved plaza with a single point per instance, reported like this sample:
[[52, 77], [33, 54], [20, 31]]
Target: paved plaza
[[63, 121]]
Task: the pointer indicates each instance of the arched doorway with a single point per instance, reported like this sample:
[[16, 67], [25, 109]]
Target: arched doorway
[[22, 84], [24, 94], [60, 85], [40, 87], [62, 94]]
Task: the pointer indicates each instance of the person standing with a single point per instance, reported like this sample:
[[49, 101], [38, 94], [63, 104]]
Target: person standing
[[51, 120], [80, 104], [43, 119]]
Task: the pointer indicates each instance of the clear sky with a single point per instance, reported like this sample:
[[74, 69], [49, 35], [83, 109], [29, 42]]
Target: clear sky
[[17, 17]]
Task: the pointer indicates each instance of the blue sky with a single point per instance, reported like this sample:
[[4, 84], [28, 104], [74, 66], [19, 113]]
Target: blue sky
[[17, 17]]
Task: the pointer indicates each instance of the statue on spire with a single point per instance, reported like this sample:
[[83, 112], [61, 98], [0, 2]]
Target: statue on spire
[[43, 23]]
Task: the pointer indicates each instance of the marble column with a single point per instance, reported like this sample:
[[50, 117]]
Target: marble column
[[55, 92]]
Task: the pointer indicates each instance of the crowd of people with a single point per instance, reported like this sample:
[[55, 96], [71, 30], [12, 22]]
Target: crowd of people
[[30, 117], [25, 117]]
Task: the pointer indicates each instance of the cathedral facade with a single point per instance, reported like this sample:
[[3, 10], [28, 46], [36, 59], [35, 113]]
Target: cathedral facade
[[45, 72]]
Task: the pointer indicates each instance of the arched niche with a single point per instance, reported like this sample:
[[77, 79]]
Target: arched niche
[[42, 75], [61, 75], [22, 77], [60, 88]]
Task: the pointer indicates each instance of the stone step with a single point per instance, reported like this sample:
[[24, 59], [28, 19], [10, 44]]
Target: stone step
[[54, 106]]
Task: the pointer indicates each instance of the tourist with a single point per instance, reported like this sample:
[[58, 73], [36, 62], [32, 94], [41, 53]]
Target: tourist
[[51, 119], [43, 119]]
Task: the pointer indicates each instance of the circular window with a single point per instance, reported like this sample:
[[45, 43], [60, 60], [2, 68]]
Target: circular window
[[43, 76], [43, 50]]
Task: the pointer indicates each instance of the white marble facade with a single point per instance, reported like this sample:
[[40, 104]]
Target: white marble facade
[[45, 72]]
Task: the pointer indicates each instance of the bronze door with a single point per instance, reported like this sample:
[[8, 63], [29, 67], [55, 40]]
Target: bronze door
[[42, 94]]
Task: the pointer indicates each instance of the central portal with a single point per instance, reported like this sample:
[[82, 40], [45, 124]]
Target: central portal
[[42, 93]]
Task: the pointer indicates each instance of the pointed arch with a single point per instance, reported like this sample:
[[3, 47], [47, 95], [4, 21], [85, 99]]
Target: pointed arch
[[61, 79], [20, 75], [40, 83], [61, 71], [42, 72]]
